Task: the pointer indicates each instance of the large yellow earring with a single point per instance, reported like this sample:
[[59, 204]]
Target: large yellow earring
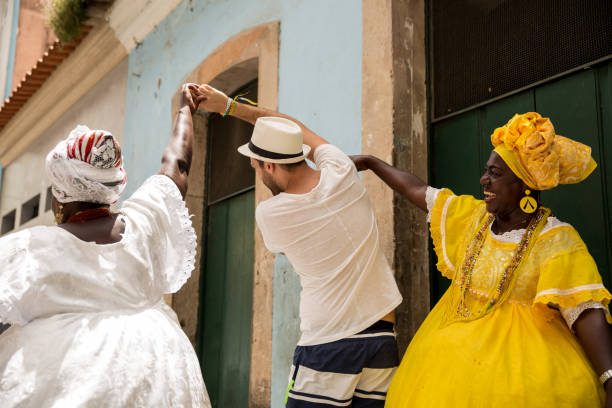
[[528, 204], [59, 215]]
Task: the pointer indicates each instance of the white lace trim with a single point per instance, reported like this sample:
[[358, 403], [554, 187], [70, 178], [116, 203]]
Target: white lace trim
[[510, 237], [443, 233], [8, 312], [572, 314], [430, 199], [570, 291], [554, 222], [515, 236], [186, 239]]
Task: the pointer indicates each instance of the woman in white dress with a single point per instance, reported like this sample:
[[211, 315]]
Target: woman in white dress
[[84, 298]]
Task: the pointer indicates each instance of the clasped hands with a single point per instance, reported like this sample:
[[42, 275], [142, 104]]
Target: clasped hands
[[204, 96]]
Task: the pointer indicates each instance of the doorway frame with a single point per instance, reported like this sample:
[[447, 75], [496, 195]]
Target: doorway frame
[[251, 54]]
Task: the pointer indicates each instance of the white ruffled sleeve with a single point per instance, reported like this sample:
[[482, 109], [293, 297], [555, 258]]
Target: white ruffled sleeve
[[159, 229], [430, 198], [15, 273]]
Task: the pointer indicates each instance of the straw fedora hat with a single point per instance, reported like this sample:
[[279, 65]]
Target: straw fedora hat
[[276, 140]]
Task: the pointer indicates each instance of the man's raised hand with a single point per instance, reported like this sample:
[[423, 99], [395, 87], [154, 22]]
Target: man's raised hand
[[190, 97], [214, 100]]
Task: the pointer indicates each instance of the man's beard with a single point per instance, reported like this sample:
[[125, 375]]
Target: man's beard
[[269, 182]]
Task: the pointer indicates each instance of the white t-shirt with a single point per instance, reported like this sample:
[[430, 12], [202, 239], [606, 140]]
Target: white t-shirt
[[331, 238]]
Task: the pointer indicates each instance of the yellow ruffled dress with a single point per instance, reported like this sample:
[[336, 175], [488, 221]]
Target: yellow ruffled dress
[[519, 354]]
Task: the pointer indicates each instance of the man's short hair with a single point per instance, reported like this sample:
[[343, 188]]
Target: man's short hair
[[287, 166]]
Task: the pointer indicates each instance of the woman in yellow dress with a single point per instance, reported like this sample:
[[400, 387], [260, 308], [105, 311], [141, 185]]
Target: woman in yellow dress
[[523, 323]]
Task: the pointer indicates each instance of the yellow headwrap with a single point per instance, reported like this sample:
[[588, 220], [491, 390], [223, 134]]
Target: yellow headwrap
[[542, 159]]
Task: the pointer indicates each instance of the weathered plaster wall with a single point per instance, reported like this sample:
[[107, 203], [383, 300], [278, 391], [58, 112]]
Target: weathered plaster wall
[[286, 327], [158, 66], [394, 129], [320, 67], [377, 111], [103, 107], [319, 82], [411, 258]]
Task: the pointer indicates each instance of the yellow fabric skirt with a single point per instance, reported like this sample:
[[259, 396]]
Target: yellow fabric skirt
[[511, 357]]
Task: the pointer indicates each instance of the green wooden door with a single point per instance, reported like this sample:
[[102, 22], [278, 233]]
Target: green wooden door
[[225, 344], [580, 107], [226, 295]]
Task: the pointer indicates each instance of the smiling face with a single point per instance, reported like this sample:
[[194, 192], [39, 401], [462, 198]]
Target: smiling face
[[503, 190]]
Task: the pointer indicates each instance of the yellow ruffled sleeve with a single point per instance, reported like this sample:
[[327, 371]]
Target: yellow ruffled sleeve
[[569, 275], [452, 217]]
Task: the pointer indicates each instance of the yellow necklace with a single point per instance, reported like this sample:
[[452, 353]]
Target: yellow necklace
[[473, 253]]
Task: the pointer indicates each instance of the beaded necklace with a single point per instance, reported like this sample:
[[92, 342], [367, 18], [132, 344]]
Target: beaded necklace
[[91, 214], [473, 253]]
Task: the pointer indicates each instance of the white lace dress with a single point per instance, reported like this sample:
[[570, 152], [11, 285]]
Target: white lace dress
[[90, 327]]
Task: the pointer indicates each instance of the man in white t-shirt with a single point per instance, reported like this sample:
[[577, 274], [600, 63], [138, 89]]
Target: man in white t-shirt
[[322, 220]]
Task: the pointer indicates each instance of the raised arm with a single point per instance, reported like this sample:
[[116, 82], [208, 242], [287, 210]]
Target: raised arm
[[176, 159], [216, 101], [406, 184]]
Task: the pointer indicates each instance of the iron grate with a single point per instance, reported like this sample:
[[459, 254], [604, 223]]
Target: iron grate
[[486, 48]]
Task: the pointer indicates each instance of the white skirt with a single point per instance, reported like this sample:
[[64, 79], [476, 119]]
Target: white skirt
[[131, 358]]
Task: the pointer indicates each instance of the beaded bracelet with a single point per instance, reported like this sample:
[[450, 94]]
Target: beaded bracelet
[[232, 107], [231, 104], [227, 107]]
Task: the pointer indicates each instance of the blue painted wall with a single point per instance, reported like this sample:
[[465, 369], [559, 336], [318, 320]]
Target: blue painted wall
[[319, 83], [285, 328], [8, 88]]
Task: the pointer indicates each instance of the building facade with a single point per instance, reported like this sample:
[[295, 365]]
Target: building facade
[[364, 74]]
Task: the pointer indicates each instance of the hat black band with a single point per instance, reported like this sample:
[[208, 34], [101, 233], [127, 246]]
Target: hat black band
[[272, 155]]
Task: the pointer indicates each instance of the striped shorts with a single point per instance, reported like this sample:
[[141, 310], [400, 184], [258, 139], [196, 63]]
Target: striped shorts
[[352, 372]]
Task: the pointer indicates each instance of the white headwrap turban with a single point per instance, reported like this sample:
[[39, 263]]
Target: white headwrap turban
[[87, 166]]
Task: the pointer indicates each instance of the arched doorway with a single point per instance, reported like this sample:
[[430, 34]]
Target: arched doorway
[[248, 56], [224, 334]]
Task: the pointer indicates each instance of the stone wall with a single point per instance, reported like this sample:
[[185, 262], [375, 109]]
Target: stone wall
[[394, 123]]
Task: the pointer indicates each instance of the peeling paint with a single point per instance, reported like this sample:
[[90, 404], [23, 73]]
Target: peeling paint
[[409, 25], [418, 126], [133, 20]]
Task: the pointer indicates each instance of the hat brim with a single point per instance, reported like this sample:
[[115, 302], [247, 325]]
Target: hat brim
[[245, 151]]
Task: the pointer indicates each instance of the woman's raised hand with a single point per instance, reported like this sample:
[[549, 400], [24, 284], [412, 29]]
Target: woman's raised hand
[[190, 97]]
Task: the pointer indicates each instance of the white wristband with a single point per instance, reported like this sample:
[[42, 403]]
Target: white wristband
[[229, 103]]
